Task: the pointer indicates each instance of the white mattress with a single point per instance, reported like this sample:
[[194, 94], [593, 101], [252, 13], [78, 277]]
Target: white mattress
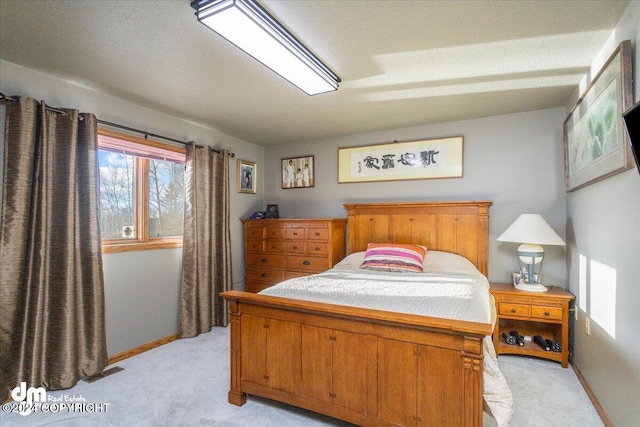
[[450, 287]]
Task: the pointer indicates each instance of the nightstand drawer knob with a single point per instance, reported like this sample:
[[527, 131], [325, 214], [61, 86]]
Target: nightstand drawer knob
[[264, 260], [306, 263], [265, 274], [513, 310], [546, 313]]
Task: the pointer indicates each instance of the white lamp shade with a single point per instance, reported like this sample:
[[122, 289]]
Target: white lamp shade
[[531, 228]]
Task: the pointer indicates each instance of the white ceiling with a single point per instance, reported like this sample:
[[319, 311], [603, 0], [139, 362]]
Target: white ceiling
[[402, 63]]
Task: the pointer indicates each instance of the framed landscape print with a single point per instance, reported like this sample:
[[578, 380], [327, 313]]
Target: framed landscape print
[[595, 143], [298, 172], [246, 177], [425, 159]]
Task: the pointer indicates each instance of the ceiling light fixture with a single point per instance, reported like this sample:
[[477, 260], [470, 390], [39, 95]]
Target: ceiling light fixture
[[251, 28]]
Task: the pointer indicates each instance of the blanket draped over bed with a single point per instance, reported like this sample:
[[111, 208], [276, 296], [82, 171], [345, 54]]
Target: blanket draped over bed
[[451, 287]]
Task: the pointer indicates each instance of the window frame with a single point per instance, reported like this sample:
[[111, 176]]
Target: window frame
[[142, 241]]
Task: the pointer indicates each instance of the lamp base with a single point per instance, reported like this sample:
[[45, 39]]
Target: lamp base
[[536, 287]]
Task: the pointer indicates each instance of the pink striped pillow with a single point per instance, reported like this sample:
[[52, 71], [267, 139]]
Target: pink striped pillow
[[394, 257]]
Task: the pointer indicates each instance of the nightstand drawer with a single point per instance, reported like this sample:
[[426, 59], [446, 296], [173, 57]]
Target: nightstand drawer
[[520, 310], [540, 312]]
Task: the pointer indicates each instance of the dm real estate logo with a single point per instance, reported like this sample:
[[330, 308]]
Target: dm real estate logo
[[28, 398]]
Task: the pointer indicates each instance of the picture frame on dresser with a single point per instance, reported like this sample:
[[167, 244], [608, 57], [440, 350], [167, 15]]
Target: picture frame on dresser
[[298, 172], [246, 177], [595, 143]]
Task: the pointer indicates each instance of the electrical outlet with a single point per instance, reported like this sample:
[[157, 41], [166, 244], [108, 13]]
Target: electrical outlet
[[587, 326]]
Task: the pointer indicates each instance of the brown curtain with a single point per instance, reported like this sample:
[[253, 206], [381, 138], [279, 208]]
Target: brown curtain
[[51, 283], [206, 250]]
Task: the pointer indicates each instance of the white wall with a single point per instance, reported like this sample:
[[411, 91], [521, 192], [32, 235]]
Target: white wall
[[514, 160], [142, 289], [603, 223]]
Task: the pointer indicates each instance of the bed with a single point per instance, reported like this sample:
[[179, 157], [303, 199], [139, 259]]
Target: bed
[[374, 363]]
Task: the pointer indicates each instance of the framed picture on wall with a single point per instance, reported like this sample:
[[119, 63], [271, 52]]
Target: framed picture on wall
[[425, 159], [595, 144], [298, 172], [246, 177]]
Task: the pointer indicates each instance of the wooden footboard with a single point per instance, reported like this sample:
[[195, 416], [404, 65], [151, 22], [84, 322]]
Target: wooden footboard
[[363, 366]]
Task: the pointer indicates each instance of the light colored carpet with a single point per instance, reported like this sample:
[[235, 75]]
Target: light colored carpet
[[185, 383]]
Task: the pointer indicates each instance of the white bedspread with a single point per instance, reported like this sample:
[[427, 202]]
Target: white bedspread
[[451, 287]]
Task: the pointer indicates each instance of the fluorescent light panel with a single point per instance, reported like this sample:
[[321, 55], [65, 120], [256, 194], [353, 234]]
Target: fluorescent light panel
[[248, 26]]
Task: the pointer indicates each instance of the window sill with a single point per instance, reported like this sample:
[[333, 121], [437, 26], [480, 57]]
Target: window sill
[[110, 248]]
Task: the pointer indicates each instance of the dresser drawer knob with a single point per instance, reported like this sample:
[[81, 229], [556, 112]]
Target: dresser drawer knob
[[306, 262], [265, 274], [513, 310], [264, 260], [295, 234], [295, 247], [317, 234], [317, 248], [546, 313]]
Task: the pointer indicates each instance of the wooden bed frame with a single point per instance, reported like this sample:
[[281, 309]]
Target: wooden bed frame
[[364, 366]]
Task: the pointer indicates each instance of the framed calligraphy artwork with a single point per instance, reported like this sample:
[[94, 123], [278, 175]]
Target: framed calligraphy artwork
[[425, 159]]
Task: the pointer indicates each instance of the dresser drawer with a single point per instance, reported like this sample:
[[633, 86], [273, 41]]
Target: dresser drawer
[[294, 274], [296, 247], [265, 260], [264, 275], [541, 312], [256, 287], [307, 263], [254, 232], [254, 245], [318, 234], [274, 246], [274, 233], [520, 310], [317, 248], [296, 234]]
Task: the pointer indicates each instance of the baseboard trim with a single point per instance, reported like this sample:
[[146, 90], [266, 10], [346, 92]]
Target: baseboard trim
[[592, 396], [141, 349]]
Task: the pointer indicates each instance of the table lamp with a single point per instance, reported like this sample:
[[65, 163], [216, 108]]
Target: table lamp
[[532, 231]]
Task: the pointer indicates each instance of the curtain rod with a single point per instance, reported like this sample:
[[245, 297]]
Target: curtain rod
[[146, 134], [153, 135]]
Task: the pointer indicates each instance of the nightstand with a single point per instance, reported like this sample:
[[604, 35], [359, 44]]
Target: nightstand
[[532, 313]]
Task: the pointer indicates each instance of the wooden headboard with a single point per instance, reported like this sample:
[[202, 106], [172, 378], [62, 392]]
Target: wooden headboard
[[459, 227]]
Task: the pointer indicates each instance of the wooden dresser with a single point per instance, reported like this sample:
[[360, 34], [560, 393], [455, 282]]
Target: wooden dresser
[[280, 249]]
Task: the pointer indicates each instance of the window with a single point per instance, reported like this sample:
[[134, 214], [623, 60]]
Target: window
[[141, 193]]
